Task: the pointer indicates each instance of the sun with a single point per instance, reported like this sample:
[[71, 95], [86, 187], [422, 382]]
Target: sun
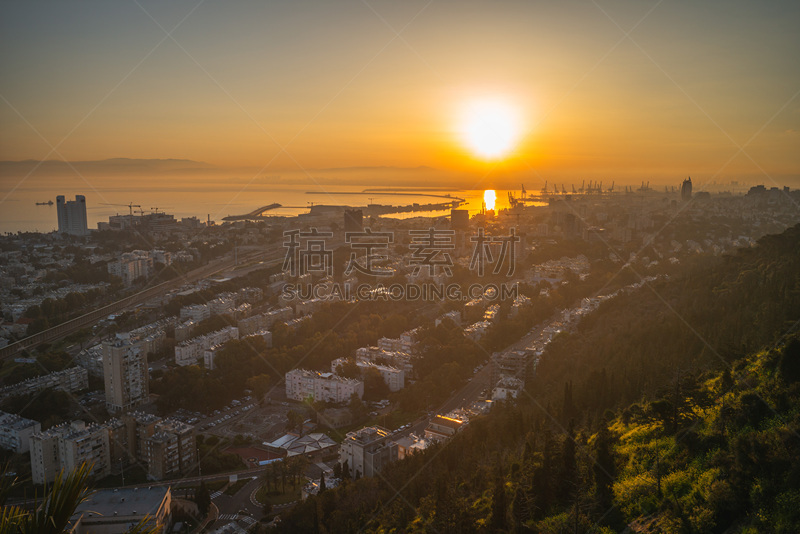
[[490, 128], [489, 197]]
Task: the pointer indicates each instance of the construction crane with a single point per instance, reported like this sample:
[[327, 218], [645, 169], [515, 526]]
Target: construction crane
[[155, 210], [129, 206], [612, 187]]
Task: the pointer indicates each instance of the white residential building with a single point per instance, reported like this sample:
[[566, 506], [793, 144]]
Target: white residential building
[[477, 330], [191, 351], [266, 335], [209, 355], [325, 387], [72, 379], [16, 432], [400, 360], [131, 266], [162, 256], [195, 312], [281, 315], [188, 353], [184, 330], [454, 316], [394, 378], [222, 306], [407, 342]]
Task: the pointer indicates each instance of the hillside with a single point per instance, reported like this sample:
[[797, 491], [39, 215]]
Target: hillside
[[689, 385]]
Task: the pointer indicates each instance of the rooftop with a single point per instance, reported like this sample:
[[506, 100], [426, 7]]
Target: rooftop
[[14, 421], [124, 502]]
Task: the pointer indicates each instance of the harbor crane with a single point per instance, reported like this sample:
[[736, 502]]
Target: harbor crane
[[129, 206]]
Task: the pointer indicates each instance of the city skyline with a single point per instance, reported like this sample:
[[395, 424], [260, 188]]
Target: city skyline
[[280, 93]]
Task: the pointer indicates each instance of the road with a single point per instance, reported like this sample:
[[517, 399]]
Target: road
[[238, 506], [91, 318], [471, 391]]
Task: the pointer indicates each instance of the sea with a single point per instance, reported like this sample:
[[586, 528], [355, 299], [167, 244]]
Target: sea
[[19, 211]]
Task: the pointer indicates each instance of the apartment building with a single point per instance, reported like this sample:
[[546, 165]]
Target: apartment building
[[191, 351], [171, 450], [394, 377], [195, 312], [325, 387], [72, 379], [125, 372], [68, 446], [168, 447], [131, 266], [367, 451], [16, 432]]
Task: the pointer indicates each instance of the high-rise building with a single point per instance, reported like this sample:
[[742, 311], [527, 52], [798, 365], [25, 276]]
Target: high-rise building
[[171, 450], [686, 189], [66, 447], [126, 375], [72, 215], [166, 446]]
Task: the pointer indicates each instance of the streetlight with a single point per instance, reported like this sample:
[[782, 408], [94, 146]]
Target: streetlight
[[199, 467]]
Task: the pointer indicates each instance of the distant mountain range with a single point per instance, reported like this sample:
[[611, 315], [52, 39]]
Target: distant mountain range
[[106, 166]]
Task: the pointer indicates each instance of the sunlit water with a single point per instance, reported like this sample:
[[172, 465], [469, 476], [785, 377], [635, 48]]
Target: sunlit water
[[19, 212]]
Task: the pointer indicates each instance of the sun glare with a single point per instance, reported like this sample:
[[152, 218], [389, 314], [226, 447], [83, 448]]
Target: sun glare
[[490, 128], [489, 197]]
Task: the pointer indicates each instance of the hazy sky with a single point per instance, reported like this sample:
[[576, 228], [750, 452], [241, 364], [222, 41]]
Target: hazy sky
[[383, 83]]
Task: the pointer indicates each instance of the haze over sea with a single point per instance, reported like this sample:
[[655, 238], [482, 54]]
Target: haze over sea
[[194, 196], [186, 188]]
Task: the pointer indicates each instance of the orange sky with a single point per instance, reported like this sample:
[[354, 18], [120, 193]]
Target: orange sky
[[709, 90]]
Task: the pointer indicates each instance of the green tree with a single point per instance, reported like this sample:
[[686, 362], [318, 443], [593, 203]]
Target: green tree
[[202, 498], [603, 468], [498, 519]]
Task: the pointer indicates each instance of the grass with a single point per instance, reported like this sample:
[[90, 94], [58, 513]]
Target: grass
[[292, 494]]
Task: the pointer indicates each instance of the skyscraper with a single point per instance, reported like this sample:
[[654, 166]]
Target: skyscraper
[[686, 189], [126, 375], [72, 215]]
